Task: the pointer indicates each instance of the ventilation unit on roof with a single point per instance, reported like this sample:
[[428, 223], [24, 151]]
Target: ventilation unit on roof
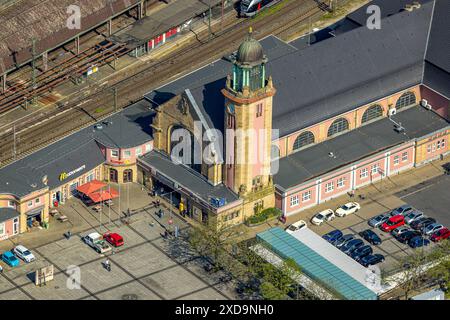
[[392, 111], [399, 128], [424, 103]]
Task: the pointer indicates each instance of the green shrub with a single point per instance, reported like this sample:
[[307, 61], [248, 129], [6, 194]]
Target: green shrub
[[264, 215]]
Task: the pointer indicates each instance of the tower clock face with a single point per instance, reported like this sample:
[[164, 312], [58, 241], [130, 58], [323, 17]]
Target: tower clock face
[[230, 108]]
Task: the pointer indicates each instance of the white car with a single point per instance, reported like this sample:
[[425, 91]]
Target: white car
[[24, 254], [296, 226], [348, 208], [323, 216]]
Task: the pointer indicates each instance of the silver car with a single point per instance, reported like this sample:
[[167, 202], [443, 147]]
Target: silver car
[[399, 231], [379, 220], [412, 216], [432, 228]]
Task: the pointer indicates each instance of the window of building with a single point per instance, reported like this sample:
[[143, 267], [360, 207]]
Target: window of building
[[341, 182], [259, 110], [37, 201], [443, 143], [364, 173], [405, 100], [127, 154], [433, 147], [148, 147], [372, 113], [30, 203], [404, 156], [338, 126], [2, 229], [306, 196], [429, 148], [256, 181], [138, 151], [396, 160], [304, 139], [329, 186], [11, 204], [275, 152], [294, 201], [230, 121], [114, 153], [375, 168]]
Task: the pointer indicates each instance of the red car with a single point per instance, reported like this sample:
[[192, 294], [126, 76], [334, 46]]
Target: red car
[[393, 223], [114, 238], [439, 235]]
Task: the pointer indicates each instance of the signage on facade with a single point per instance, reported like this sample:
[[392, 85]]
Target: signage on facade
[[63, 176]]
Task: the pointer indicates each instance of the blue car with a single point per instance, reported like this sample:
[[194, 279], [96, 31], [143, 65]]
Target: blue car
[[10, 259], [370, 237], [352, 245], [332, 236], [418, 242], [361, 252], [371, 259]]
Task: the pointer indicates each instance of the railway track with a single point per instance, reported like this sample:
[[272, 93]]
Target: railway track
[[100, 104]]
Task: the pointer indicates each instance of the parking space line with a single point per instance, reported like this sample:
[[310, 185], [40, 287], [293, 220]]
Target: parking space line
[[56, 266], [181, 265], [16, 286]]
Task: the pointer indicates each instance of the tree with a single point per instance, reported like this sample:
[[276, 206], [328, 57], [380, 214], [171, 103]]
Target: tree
[[441, 272]]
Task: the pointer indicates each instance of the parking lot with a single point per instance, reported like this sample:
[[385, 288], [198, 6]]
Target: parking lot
[[432, 197], [146, 267]]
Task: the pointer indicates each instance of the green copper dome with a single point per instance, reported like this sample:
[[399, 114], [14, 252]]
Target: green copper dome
[[250, 51]]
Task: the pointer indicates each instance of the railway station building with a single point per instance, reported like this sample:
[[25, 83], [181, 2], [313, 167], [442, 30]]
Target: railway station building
[[338, 115]]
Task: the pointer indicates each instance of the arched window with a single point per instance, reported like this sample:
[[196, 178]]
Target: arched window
[[127, 176], [372, 113], [275, 152], [113, 176], [405, 100], [339, 125], [303, 140]]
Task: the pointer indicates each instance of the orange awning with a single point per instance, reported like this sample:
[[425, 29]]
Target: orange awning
[[103, 195], [90, 187]]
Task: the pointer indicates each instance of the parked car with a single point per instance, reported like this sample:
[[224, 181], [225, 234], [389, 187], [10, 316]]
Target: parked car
[[393, 223], [432, 228], [398, 231], [352, 245], [296, 226], [114, 238], [343, 240], [413, 216], [417, 225], [441, 234], [406, 236], [418, 241], [10, 259], [24, 254], [370, 237], [371, 259], [323, 216], [379, 220], [95, 241], [426, 224], [403, 210], [348, 208], [361, 252], [332, 236]]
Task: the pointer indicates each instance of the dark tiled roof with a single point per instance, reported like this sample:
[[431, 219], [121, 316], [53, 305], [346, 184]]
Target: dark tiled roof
[[187, 178], [357, 144], [129, 128], [8, 214]]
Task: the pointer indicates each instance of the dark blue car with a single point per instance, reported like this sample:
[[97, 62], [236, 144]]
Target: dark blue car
[[361, 252], [332, 236], [370, 236], [418, 241], [343, 240], [352, 245], [371, 259]]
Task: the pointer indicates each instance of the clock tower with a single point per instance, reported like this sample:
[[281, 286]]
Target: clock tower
[[248, 127]]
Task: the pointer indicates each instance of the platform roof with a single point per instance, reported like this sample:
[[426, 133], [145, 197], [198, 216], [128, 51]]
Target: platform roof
[[316, 266], [165, 19], [8, 214], [355, 145]]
